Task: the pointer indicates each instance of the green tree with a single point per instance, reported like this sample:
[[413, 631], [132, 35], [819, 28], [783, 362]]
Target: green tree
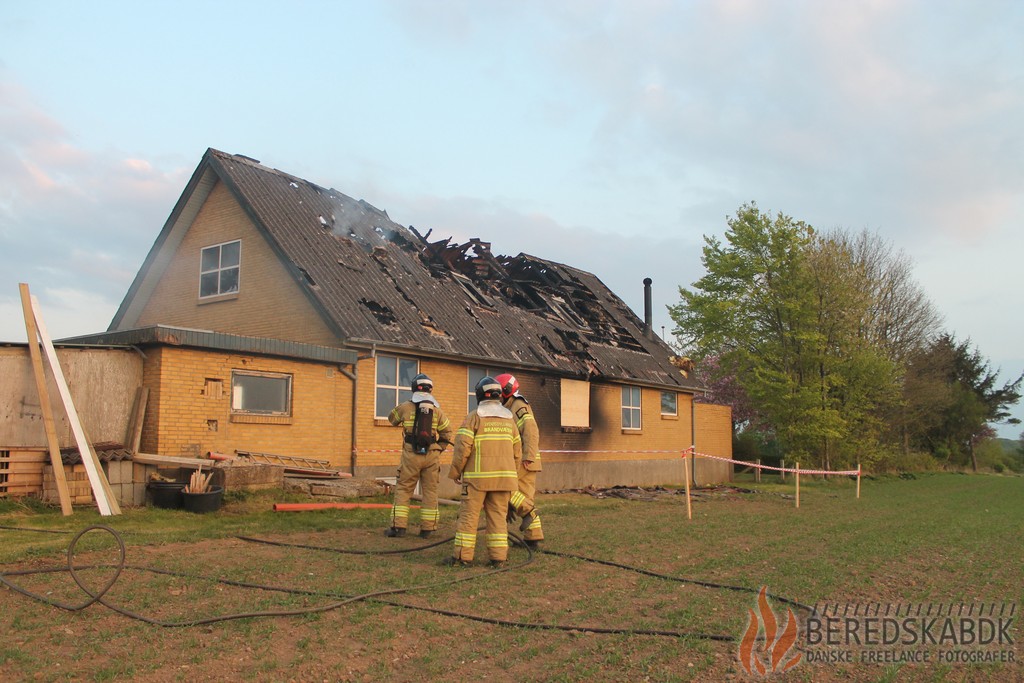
[[816, 328], [782, 309], [972, 400]]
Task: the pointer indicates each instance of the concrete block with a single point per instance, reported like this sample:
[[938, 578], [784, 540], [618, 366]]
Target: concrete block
[[233, 475]]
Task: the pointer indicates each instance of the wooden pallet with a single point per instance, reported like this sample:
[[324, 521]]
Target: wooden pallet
[[21, 473]]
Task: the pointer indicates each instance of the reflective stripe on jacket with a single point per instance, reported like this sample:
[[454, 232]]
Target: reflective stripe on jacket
[[487, 452]]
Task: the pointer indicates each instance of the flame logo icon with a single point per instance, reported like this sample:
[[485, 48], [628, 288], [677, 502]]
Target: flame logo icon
[[775, 649]]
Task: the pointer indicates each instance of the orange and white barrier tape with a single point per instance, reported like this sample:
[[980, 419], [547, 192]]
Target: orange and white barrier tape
[[851, 473]]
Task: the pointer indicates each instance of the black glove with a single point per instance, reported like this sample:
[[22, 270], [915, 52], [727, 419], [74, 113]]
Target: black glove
[[511, 516]]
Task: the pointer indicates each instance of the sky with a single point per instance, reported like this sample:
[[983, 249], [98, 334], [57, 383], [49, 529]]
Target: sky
[[610, 136]]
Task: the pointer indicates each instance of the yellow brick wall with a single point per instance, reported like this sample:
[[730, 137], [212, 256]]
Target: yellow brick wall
[[714, 437], [659, 433], [269, 303], [183, 420]]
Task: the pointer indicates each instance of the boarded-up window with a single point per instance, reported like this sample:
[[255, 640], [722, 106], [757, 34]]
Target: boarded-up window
[[575, 403], [214, 388]]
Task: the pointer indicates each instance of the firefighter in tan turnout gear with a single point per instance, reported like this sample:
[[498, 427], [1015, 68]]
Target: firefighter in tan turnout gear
[[487, 454], [427, 432], [521, 502]]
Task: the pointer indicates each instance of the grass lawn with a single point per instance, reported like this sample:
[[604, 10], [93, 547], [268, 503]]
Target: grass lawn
[[937, 539]]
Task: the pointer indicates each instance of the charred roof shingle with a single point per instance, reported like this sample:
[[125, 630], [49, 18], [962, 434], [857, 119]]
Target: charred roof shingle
[[379, 282]]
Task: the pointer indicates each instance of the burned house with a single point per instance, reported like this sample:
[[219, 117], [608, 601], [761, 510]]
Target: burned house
[[340, 307]]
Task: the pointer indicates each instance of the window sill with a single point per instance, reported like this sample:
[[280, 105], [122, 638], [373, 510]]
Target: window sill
[[577, 430], [632, 432], [262, 419], [381, 422], [217, 299], [669, 417]]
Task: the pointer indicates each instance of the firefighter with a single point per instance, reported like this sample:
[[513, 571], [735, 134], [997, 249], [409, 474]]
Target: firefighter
[[487, 454], [521, 502], [426, 433]]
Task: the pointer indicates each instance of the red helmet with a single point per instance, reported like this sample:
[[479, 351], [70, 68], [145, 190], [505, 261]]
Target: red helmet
[[509, 385]]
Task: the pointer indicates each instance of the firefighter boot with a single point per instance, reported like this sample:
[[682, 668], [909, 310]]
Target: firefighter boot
[[426, 533], [394, 531]]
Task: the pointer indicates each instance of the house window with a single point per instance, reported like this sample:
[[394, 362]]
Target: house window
[[261, 393], [669, 406], [218, 269], [631, 407], [477, 373], [394, 382]]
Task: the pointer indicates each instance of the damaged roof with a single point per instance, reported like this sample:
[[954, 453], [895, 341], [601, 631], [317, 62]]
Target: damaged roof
[[376, 282]]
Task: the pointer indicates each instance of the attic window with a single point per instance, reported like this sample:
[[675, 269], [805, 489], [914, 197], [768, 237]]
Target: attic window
[[475, 294], [219, 269]]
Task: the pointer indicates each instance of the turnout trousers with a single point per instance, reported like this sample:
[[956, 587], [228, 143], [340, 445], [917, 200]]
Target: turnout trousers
[[522, 501], [426, 470], [495, 506]]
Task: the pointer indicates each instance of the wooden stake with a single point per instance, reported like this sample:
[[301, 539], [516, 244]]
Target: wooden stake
[[686, 478], [782, 473], [44, 403], [757, 471], [798, 484], [858, 480], [92, 468]]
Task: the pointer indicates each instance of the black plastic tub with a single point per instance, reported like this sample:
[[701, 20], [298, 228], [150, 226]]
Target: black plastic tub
[[165, 494], [203, 502]]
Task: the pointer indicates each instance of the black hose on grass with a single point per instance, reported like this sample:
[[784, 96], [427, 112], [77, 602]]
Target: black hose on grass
[[374, 596]]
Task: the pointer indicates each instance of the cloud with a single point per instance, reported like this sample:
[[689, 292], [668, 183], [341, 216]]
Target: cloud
[[73, 222], [65, 312]]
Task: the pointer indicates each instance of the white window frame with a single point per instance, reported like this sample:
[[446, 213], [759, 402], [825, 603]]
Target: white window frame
[[675, 403], [238, 393], [220, 269], [401, 391], [632, 411]]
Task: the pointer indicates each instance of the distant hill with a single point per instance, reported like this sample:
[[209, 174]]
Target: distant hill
[[1009, 445]]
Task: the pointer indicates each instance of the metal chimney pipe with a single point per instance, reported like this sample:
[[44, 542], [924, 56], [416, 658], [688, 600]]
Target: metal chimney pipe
[[647, 307]]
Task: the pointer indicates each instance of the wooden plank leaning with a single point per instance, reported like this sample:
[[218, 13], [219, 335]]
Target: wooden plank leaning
[[133, 437], [44, 402], [97, 480]]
